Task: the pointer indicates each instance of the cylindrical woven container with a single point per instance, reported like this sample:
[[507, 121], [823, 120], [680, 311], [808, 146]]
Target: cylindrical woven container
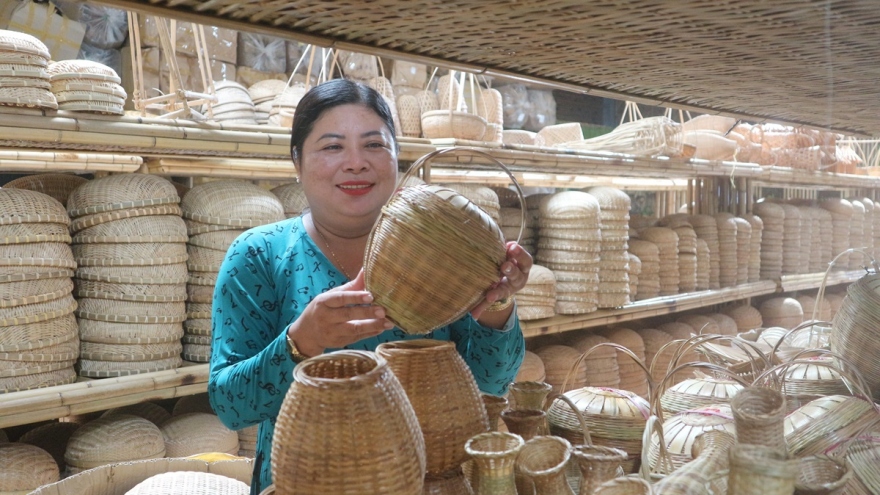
[[597, 465], [760, 469], [443, 394], [346, 427], [420, 229], [821, 475], [759, 415], [494, 455], [543, 460]]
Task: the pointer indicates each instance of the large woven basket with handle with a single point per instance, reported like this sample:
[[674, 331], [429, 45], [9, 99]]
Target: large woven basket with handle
[[432, 254]]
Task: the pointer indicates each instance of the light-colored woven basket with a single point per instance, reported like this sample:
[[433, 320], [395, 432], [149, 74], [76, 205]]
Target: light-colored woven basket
[[194, 433], [51, 437], [292, 197], [113, 439], [119, 192], [18, 206], [760, 469], [440, 124], [87, 221], [234, 203], [189, 483], [58, 186], [150, 411], [25, 468]]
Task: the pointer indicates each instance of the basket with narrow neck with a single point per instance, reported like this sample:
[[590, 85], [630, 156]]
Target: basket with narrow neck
[[433, 254]]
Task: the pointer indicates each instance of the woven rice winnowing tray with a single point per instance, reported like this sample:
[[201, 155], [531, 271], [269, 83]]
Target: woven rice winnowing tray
[[15, 41], [86, 69]]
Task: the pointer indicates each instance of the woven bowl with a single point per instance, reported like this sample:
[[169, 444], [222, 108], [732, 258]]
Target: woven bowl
[[119, 192], [234, 203], [189, 483], [440, 124], [20, 206]]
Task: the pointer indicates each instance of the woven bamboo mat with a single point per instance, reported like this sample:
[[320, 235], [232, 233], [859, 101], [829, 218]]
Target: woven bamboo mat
[[780, 60]]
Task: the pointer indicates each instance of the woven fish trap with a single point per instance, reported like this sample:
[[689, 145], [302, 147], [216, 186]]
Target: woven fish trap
[[25, 467], [19, 206], [292, 197], [108, 369], [87, 221], [120, 192], [450, 411], [821, 475], [420, 229], [196, 432], [624, 486], [58, 186], [114, 439], [150, 411], [234, 203], [760, 469], [139, 227], [31, 336], [129, 352], [131, 311], [368, 437], [220, 240], [41, 379], [189, 483]]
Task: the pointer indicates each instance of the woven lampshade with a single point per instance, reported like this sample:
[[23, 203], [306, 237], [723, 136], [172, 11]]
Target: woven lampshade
[[25, 468], [194, 433], [112, 439], [783, 312]]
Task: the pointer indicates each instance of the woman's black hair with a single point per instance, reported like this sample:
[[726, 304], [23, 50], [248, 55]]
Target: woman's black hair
[[332, 94]]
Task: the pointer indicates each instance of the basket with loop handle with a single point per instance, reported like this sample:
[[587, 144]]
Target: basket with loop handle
[[432, 235], [452, 120], [707, 473], [742, 357]]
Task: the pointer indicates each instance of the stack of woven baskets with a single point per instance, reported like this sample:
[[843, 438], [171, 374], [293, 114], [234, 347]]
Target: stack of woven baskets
[[511, 219], [773, 217], [856, 232], [666, 241], [262, 93], [482, 196], [793, 256], [197, 432], [234, 104], [727, 251], [569, 241], [743, 249], [538, 298], [841, 225], [602, 367], [559, 367], [754, 261], [707, 229], [216, 213], [130, 247], [704, 265], [632, 376], [649, 278], [687, 250], [614, 206], [38, 333], [87, 86], [293, 198], [23, 62]]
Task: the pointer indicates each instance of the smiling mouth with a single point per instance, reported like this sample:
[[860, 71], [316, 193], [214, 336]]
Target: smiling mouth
[[358, 186]]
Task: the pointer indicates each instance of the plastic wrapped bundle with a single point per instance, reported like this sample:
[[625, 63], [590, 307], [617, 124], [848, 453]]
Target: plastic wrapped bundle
[[106, 27], [542, 110], [515, 98], [358, 66], [262, 53], [110, 57]]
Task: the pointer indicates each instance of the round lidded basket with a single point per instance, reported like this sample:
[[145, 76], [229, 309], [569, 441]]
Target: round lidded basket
[[425, 227]]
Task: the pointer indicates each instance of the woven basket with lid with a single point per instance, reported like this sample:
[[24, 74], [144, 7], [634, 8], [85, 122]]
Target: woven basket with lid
[[114, 439], [681, 431], [25, 468]]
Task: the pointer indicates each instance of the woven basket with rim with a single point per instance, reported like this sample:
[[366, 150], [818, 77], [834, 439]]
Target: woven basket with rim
[[25, 468], [760, 469], [119, 192], [543, 461], [449, 409], [194, 433], [58, 186], [189, 483], [292, 197], [821, 475], [420, 229], [759, 414], [20, 206], [346, 426], [624, 486], [233, 203], [150, 411], [114, 439]]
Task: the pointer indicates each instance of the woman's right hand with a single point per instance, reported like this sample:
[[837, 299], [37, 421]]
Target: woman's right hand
[[338, 317]]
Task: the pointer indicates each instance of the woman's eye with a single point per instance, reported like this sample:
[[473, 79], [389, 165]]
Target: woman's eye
[[333, 147], [376, 145]]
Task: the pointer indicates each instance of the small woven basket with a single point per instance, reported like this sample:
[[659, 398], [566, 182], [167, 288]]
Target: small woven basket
[[759, 415], [821, 475], [421, 230]]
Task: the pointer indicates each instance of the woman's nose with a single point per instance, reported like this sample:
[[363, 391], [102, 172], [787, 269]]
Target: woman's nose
[[356, 160]]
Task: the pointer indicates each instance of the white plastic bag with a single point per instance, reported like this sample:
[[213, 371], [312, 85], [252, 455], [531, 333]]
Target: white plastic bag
[[106, 27], [262, 53]]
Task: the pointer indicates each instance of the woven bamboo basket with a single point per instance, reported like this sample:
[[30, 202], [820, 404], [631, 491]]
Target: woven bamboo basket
[[438, 124], [29, 336], [821, 475], [19, 206], [682, 430], [368, 439], [419, 228], [624, 486], [494, 456], [759, 414], [231, 203], [292, 197], [58, 186], [543, 461], [119, 192], [51, 437], [450, 409], [855, 327], [170, 228], [863, 456], [190, 483], [532, 369], [760, 469], [194, 433], [697, 392], [25, 468], [92, 220], [114, 439], [150, 411]]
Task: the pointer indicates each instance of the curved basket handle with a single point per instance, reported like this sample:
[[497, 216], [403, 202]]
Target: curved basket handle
[[821, 294], [850, 375], [803, 326], [586, 430], [696, 341], [458, 151], [619, 348], [664, 459], [661, 388]]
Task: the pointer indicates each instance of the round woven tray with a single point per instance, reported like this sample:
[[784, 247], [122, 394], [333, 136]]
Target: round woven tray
[[106, 369], [20, 70], [170, 226], [129, 333], [134, 262], [170, 273], [90, 97], [28, 97], [129, 254], [38, 380], [35, 290], [91, 86], [24, 82], [21, 206], [37, 312], [201, 340], [150, 411], [231, 203], [12, 369], [197, 353], [99, 218], [115, 438], [16, 41], [119, 192], [27, 337], [132, 292], [51, 437], [58, 186], [86, 69]]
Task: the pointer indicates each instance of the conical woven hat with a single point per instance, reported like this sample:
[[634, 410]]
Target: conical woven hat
[[189, 483], [292, 197], [232, 202], [195, 433], [119, 192], [25, 468], [112, 439], [19, 206], [568, 205]]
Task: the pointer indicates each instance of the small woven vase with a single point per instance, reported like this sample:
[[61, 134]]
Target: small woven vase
[[422, 229], [597, 465], [494, 406], [495, 457], [529, 395], [346, 427], [759, 414], [443, 394], [760, 469], [527, 423], [543, 460]]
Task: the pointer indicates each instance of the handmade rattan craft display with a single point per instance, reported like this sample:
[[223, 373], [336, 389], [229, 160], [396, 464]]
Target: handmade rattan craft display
[[421, 234]]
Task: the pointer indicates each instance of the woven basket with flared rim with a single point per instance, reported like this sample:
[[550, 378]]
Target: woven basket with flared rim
[[368, 436], [821, 475], [532, 369], [131, 311], [450, 410], [189, 483], [150, 411], [624, 486], [87, 221], [783, 312], [438, 124], [27, 337], [233, 203], [106, 369], [114, 439], [119, 192], [760, 469], [19, 206], [292, 197], [129, 352], [759, 414], [51, 437], [419, 228], [220, 240], [58, 186], [543, 460], [25, 468], [806, 382], [823, 423], [194, 433], [166, 226]]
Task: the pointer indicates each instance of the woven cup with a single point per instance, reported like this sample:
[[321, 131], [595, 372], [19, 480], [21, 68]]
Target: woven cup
[[422, 230]]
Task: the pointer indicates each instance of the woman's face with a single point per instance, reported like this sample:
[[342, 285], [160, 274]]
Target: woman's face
[[348, 166]]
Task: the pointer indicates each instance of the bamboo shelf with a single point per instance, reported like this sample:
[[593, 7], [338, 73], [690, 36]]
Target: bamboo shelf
[[791, 283]]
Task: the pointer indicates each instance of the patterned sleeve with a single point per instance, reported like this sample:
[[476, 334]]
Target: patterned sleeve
[[494, 356], [251, 368]]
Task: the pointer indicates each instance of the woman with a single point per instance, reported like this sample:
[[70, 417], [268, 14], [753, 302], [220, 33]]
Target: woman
[[295, 289]]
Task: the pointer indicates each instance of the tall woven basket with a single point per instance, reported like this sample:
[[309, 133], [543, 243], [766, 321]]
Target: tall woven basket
[[431, 234]]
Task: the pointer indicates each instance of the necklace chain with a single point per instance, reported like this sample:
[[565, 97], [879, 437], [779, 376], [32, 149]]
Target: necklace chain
[[332, 254]]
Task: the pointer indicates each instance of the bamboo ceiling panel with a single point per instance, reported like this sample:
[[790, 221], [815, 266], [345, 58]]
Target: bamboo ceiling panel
[[812, 62]]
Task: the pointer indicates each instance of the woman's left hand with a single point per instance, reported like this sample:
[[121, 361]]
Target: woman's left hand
[[515, 274]]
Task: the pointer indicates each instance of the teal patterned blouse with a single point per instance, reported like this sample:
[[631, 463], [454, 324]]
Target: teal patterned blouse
[[269, 275]]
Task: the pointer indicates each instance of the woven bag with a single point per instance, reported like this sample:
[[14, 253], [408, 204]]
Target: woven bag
[[346, 426], [422, 232]]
